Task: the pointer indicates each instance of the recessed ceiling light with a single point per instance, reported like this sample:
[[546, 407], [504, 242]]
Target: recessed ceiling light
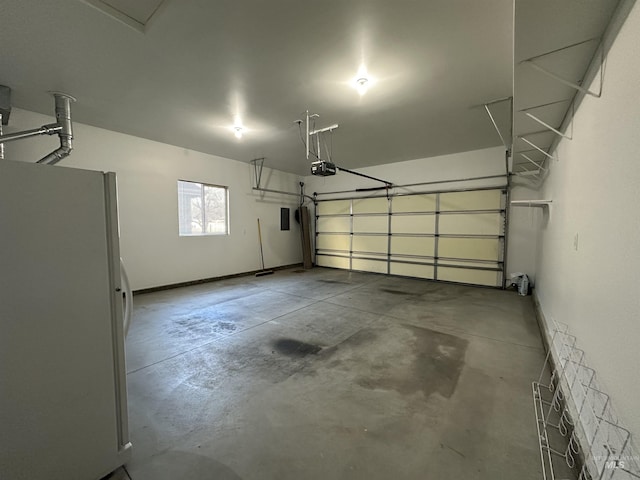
[[362, 81], [237, 128], [362, 85]]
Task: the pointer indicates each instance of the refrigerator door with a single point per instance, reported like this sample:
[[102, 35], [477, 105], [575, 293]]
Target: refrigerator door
[[63, 394]]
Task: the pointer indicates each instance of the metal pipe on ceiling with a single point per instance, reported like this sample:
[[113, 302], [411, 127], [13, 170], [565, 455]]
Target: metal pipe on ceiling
[[63, 116], [44, 130], [325, 129], [62, 127]]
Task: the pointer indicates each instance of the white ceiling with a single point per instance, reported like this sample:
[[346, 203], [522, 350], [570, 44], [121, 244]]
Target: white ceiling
[[136, 14], [196, 64]]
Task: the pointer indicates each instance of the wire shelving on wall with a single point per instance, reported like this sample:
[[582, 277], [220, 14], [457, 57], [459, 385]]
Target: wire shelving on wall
[[579, 434]]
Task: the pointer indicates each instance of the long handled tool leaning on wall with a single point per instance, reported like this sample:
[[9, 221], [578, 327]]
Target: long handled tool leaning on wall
[[263, 272]]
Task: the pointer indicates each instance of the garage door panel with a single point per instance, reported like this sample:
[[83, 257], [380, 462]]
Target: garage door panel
[[333, 207], [370, 243], [468, 263], [402, 258], [333, 262], [474, 200], [471, 224], [333, 242], [475, 277], [414, 203], [473, 248], [412, 270], [371, 205], [372, 224], [334, 224], [412, 245], [365, 265], [413, 224]]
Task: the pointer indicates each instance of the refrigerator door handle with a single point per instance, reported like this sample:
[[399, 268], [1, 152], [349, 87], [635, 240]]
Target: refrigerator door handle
[[127, 296]]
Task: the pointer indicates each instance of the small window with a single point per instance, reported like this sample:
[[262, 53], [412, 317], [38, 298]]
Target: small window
[[203, 209]]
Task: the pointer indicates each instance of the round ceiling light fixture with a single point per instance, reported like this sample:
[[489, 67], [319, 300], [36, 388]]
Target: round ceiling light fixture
[[362, 84], [237, 128], [362, 81]]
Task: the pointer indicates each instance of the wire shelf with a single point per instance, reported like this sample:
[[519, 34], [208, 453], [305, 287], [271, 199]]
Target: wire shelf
[[579, 435]]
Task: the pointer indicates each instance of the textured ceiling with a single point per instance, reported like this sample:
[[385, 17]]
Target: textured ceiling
[[197, 64]]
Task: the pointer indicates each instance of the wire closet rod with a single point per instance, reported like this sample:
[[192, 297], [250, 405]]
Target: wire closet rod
[[420, 184]]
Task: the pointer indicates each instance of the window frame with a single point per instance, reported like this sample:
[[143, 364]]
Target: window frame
[[203, 185]]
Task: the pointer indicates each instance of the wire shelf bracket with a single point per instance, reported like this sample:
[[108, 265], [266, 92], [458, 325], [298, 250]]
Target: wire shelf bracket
[[531, 203], [486, 106], [529, 142], [257, 163], [530, 61], [554, 130], [540, 167], [557, 131]]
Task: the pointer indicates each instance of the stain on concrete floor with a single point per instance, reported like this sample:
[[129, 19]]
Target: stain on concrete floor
[[332, 282], [399, 292], [295, 348], [200, 324], [431, 363], [438, 361]]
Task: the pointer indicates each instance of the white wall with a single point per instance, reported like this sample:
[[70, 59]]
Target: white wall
[[147, 182], [524, 224], [595, 188]]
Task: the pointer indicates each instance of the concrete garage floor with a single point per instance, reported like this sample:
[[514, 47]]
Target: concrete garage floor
[[330, 374]]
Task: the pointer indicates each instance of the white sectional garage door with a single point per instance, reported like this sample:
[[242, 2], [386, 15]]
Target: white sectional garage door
[[452, 236]]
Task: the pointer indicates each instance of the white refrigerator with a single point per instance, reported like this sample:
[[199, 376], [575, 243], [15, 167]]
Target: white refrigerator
[[63, 396]]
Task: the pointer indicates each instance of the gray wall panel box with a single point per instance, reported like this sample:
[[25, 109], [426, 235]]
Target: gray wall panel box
[[5, 104], [284, 218]]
